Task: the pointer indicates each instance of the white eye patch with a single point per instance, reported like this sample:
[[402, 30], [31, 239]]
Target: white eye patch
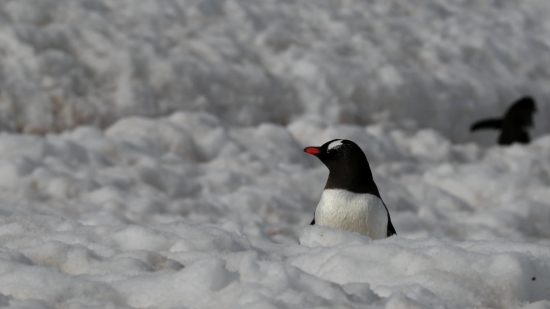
[[335, 144]]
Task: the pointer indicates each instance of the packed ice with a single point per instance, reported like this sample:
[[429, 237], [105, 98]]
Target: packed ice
[[151, 153]]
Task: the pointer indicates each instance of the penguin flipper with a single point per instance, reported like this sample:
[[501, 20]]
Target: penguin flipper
[[312, 222], [391, 229], [492, 123]]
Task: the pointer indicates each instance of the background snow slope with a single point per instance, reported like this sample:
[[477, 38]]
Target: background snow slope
[[69, 62], [152, 153]]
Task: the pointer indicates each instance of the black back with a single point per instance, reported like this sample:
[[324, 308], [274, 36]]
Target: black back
[[514, 124], [349, 170]]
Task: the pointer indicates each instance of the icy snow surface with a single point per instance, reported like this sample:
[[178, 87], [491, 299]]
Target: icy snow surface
[[188, 211], [176, 178]]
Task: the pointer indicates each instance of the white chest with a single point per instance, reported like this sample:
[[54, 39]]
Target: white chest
[[361, 213]]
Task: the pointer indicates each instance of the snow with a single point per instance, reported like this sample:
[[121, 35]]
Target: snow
[[151, 153], [71, 62], [190, 211]]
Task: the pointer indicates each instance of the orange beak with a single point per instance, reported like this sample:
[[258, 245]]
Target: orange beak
[[312, 150]]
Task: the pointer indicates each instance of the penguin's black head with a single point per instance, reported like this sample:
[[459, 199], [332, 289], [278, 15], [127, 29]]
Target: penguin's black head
[[521, 113], [348, 166], [339, 155], [525, 104]]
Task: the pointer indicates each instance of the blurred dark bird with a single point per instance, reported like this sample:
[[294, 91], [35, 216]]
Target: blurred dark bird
[[514, 125]]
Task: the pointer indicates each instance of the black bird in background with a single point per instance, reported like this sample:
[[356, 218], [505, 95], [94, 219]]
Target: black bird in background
[[514, 126]]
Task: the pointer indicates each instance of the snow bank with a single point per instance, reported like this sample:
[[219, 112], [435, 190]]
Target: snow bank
[[436, 64], [184, 265], [189, 210]]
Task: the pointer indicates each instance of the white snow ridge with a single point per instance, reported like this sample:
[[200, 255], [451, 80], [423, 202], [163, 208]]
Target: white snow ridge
[[151, 153]]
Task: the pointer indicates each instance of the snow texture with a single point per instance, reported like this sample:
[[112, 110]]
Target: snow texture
[[151, 153], [189, 211], [426, 64]]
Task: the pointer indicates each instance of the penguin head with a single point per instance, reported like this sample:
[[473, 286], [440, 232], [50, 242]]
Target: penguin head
[[339, 155], [521, 112], [526, 104]]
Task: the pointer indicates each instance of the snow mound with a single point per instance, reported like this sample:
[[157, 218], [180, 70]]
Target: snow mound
[[191, 211], [64, 263]]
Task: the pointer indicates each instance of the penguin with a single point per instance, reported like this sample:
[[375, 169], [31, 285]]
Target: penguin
[[350, 200], [514, 125]]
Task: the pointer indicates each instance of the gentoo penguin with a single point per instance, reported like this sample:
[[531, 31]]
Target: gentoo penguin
[[515, 124], [350, 200]]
